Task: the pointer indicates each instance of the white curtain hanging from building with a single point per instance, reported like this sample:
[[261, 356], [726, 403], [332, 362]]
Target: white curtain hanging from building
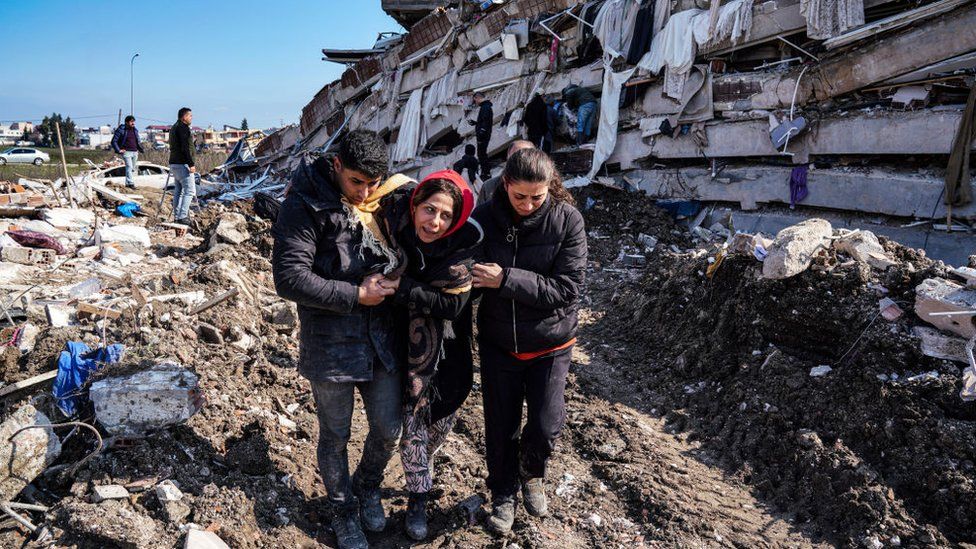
[[606, 137], [614, 26], [408, 140]]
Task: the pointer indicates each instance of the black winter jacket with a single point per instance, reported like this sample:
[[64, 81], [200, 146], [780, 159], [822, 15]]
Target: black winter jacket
[[544, 260], [455, 371], [180, 144], [318, 262], [486, 116]]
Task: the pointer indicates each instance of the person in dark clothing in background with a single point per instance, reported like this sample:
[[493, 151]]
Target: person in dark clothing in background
[[181, 165], [482, 131], [333, 259], [536, 120], [531, 277], [468, 162], [434, 313], [584, 103], [125, 141]]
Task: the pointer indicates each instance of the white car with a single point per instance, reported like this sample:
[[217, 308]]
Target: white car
[[23, 155], [148, 175]]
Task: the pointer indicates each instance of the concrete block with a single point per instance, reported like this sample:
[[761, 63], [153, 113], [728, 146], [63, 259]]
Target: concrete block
[[135, 404], [939, 345], [202, 539], [935, 295], [26, 455], [794, 247], [28, 256], [232, 229], [131, 238], [109, 491], [864, 247]]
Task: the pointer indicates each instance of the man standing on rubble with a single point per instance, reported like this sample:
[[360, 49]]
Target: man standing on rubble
[[330, 257], [482, 131], [125, 141], [584, 103], [181, 165]]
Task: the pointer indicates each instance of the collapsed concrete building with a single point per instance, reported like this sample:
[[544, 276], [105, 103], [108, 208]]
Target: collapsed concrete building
[[854, 105]]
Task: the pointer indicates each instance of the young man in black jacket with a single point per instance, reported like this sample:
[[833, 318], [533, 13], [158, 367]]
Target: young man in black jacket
[[181, 165], [327, 260], [125, 141], [482, 132]]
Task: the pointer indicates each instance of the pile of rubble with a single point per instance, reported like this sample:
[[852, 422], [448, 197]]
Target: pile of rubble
[[830, 369]]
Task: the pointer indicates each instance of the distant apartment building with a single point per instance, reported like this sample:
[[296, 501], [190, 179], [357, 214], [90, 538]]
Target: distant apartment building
[[95, 138], [226, 137], [13, 132]]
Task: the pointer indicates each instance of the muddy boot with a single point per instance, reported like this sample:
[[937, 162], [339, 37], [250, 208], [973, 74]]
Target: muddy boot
[[534, 497], [502, 515], [415, 521], [348, 532]]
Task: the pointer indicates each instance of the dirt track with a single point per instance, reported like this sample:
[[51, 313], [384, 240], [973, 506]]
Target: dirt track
[[657, 449]]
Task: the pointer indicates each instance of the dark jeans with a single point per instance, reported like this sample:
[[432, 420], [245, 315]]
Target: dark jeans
[[334, 404], [505, 383], [483, 158]]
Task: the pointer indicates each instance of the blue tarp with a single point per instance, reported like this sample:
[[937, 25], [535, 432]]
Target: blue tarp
[[76, 363], [128, 209]]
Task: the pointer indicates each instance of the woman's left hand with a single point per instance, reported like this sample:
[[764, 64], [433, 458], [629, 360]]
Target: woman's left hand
[[487, 275]]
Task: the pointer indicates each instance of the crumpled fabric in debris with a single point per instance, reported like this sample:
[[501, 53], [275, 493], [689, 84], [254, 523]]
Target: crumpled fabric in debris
[[829, 18], [128, 209], [34, 239], [674, 46], [734, 23], [957, 180], [408, 141], [798, 185], [606, 138], [614, 26], [75, 366], [439, 95]]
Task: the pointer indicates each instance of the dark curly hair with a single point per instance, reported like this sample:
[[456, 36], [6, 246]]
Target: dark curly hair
[[365, 152], [535, 166]]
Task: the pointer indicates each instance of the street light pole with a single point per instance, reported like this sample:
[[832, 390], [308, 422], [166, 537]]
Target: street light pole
[[132, 107]]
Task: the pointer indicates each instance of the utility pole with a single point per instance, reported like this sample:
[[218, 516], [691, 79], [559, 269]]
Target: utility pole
[[132, 107]]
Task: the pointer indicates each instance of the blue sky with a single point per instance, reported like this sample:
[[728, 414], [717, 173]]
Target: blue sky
[[225, 59]]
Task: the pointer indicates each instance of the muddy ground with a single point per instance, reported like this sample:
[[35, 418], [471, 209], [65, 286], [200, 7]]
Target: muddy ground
[[692, 420]]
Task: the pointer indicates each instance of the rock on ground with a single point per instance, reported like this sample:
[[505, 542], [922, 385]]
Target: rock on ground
[[794, 248], [166, 394], [865, 247], [26, 455]]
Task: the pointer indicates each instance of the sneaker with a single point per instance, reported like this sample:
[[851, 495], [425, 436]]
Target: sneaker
[[371, 508], [349, 534], [415, 521], [534, 497], [502, 515]]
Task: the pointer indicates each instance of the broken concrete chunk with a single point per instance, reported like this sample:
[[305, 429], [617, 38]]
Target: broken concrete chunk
[[28, 256], [865, 247], [283, 314], [130, 238], [966, 273], [647, 241], [936, 344], [69, 218], [889, 309], [109, 491], [27, 454], [232, 229], [202, 539], [57, 316], [210, 333], [935, 295], [793, 250], [820, 371], [135, 404], [114, 526], [168, 491]]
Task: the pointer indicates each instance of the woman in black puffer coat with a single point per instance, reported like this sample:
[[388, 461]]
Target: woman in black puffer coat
[[531, 273]]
